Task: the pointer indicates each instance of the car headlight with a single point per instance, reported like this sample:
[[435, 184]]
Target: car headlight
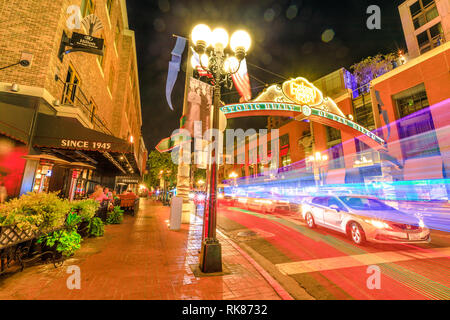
[[378, 224], [220, 196], [421, 224]]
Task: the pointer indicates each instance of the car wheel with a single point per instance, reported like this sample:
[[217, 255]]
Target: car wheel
[[357, 233], [310, 220]]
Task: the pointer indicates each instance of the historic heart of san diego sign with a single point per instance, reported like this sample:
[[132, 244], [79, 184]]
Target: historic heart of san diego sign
[[300, 99]]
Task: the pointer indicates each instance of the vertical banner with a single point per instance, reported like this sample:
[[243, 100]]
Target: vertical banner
[[198, 106]]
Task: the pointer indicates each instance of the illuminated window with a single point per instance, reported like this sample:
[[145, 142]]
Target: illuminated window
[[71, 86], [286, 160], [87, 7]]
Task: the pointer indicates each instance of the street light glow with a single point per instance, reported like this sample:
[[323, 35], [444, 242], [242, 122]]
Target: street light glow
[[233, 175], [240, 39], [219, 38], [201, 33]]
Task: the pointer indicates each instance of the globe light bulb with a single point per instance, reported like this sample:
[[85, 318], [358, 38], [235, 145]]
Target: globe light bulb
[[240, 39], [219, 38], [231, 65], [201, 33]]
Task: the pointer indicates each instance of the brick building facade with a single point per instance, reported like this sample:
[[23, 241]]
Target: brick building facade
[[98, 93]]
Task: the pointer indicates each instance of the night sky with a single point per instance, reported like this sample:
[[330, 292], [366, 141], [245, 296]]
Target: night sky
[[286, 39]]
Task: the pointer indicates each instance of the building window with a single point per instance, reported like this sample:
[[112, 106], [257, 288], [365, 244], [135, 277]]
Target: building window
[[362, 107], [93, 111], [109, 5], [431, 38], [416, 132], [422, 12], [71, 86], [411, 100], [87, 7], [284, 141], [286, 160], [333, 134]]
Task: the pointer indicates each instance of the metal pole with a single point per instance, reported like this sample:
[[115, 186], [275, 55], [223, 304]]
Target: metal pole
[[211, 251]]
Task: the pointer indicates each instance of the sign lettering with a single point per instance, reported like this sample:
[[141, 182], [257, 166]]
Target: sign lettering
[[80, 144]]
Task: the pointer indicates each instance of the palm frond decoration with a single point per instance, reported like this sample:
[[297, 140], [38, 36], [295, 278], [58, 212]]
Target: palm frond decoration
[[92, 24]]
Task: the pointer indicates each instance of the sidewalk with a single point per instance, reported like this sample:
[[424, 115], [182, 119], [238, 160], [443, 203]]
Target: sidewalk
[[143, 259]]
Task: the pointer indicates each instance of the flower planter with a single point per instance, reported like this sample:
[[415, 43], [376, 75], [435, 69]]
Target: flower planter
[[12, 235]]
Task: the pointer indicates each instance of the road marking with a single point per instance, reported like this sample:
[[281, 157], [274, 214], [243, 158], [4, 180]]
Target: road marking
[[359, 260]]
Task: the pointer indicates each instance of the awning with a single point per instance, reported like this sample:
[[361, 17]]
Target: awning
[[67, 138], [336, 176], [68, 133], [423, 168]]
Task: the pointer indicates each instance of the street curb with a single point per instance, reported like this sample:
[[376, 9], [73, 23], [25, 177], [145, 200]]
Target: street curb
[[272, 282]]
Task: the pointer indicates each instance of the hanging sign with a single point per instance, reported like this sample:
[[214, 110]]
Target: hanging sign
[[87, 43]]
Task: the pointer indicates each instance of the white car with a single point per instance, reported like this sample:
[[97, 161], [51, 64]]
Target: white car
[[364, 218]]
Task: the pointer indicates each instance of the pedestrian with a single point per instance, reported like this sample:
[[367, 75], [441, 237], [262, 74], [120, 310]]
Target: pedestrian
[[3, 192], [108, 193], [98, 194]]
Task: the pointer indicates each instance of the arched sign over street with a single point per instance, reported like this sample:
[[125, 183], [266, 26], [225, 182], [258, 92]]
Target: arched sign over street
[[300, 99]]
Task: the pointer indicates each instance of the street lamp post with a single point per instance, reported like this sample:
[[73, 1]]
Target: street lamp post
[[318, 161], [211, 45]]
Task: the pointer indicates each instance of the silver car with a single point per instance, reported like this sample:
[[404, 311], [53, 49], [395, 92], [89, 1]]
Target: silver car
[[364, 218]]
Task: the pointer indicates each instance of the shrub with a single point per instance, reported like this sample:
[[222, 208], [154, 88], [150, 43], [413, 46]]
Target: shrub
[[67, 242], [96, 227], [38, 211], [115, 216], [86, 208]]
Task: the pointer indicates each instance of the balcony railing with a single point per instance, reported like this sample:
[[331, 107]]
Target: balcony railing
[[73, 95], [435, 42]]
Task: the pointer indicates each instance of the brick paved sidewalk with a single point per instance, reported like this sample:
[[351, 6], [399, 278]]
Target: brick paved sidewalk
[[143, 259]]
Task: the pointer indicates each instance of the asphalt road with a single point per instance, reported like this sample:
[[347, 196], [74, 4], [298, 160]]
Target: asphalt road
[[327, 265]]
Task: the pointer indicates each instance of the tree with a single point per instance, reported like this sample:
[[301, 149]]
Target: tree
[[158, 162], [373, 67]]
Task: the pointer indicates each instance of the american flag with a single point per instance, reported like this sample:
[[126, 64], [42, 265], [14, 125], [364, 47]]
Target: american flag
[[242, 82]]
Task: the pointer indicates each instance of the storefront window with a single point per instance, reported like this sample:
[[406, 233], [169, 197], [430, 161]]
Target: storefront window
[[42, 177]]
